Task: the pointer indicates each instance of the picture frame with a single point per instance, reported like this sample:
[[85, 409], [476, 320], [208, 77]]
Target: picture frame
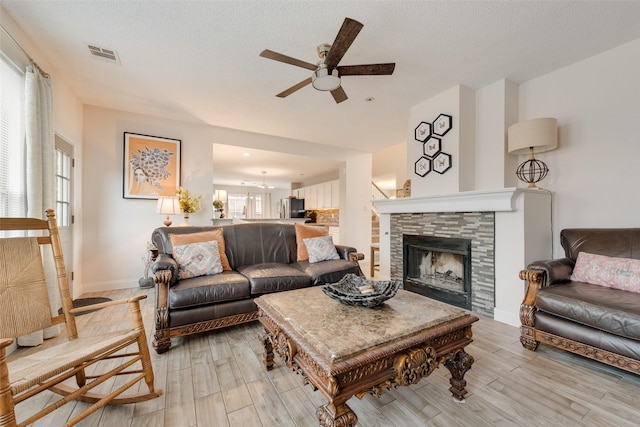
[[151, 166]]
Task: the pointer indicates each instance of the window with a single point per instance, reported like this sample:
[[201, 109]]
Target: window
[[237, 205], [12, 140], [63, 188]]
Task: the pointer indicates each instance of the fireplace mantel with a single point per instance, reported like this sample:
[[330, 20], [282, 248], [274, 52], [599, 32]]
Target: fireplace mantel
[[500, 200], [522, 234]]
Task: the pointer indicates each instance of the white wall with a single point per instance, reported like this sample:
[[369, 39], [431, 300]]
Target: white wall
[[115, 230], [594, 171], [459, 142], [389, 167], [496, 110]]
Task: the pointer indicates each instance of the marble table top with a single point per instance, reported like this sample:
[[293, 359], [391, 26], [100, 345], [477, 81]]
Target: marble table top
[[338, 331]]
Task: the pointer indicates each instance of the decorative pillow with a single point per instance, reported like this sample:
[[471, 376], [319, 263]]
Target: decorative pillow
[[203, 236], [305, 232], [198, 259], [618, 273], [321, 249]]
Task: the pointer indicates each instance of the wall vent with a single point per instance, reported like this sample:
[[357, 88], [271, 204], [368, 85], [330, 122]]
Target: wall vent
[[104, 54]]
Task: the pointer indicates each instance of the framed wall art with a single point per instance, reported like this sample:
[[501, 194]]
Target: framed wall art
[[151, 166]]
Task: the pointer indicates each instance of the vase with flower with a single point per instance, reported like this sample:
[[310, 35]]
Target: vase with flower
[[188, 204]]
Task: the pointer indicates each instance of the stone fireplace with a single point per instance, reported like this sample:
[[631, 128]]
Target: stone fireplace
[[506, 229], [454, 232]]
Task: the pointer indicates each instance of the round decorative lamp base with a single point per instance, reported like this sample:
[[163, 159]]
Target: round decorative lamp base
[[532, 171]]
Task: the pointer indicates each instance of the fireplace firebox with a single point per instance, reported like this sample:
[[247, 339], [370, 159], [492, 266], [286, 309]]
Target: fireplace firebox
[[438, 268]]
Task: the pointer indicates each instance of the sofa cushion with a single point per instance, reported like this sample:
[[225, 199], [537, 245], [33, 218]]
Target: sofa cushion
[[198, 259], [305, 232], [203, 236], [321, 249], [273, 277], [618, 273], [327, 271], [203, 290], [607, 309], [260, 242]]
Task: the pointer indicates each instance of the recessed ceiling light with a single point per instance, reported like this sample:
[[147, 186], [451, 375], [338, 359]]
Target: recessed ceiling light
[[245, 154]]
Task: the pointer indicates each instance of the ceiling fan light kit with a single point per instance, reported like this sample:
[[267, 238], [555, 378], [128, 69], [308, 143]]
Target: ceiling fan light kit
[[322, 80], [327, 74]]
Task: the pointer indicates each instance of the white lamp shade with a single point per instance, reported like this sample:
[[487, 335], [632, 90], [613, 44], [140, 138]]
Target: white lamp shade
[[168, 206], [541, 134]]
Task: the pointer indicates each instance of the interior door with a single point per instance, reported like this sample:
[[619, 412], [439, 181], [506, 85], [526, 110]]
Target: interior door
[[64, 203]]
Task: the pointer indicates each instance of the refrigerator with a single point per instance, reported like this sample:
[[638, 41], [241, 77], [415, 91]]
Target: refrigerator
[[292, 208]]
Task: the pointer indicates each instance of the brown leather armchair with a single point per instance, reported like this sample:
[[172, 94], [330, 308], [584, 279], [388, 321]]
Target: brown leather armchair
[[594, 321]]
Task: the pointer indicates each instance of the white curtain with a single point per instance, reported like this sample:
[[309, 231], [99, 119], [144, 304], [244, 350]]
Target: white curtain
[[40, 170], [40, 143], [265, 202], [250, 206], [267, 206]]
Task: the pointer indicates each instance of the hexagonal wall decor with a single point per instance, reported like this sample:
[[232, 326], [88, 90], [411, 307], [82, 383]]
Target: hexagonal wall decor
[[423, 166], [432, 146], [423, 131], [442, 124], [442, 163]]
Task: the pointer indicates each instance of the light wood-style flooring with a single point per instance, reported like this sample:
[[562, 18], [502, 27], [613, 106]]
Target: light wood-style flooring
[[217, 379]]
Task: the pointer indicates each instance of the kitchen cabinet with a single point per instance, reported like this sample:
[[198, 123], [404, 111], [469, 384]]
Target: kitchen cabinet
[[334, 232], [325, 195], [335, 193]]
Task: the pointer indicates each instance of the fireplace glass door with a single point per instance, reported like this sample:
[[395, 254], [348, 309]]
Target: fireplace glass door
[[439, 268]]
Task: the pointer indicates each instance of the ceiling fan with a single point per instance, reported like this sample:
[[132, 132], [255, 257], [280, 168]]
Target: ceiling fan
[[327, 73]]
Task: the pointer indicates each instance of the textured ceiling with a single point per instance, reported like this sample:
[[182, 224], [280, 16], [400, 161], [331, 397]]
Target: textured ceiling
[[199, 61]]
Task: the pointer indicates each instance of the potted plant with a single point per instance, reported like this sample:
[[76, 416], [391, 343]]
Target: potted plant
[[188, 204], [152, 254], [218, 206]]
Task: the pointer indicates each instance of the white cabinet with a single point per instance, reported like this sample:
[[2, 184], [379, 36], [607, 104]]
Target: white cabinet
[[334, 232], [311, 197], [335, 193], [320, 196]]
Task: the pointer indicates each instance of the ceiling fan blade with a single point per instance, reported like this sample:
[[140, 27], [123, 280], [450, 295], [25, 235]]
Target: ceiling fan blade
[[366, 70], [345, 37], [294, 88], [287, 59], [339, 95]]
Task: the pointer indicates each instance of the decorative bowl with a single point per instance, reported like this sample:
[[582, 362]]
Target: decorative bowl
[[358, 291]]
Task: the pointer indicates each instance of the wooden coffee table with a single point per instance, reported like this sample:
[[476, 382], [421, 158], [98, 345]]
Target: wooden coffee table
[[346, 351]]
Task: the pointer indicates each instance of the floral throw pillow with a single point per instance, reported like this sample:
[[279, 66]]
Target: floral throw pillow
[[618, 273], [198, 259], [321, 249]]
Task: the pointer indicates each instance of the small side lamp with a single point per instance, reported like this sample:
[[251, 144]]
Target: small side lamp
[[537, 135], [168, 206]]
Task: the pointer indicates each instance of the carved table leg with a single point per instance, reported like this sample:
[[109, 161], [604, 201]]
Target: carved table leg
[[458, 364], [341, 415], [267, 360]]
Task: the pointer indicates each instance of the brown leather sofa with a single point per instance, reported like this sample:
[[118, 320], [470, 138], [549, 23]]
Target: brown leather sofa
[[597, 322], [263, 259]]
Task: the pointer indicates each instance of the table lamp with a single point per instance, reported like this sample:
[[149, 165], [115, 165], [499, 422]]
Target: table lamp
[[537, 135], [168, 206]]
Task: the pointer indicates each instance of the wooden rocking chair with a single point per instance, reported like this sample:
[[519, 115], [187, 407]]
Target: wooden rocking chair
[[25, 307]]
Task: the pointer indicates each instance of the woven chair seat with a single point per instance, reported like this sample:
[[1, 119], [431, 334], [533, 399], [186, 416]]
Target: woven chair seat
[[31, 369]]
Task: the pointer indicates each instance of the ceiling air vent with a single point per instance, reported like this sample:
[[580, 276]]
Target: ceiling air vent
[[104, 54]]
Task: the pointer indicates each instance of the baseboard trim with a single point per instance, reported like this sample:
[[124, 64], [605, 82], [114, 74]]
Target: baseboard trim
[[506, 317], [109, 286]]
